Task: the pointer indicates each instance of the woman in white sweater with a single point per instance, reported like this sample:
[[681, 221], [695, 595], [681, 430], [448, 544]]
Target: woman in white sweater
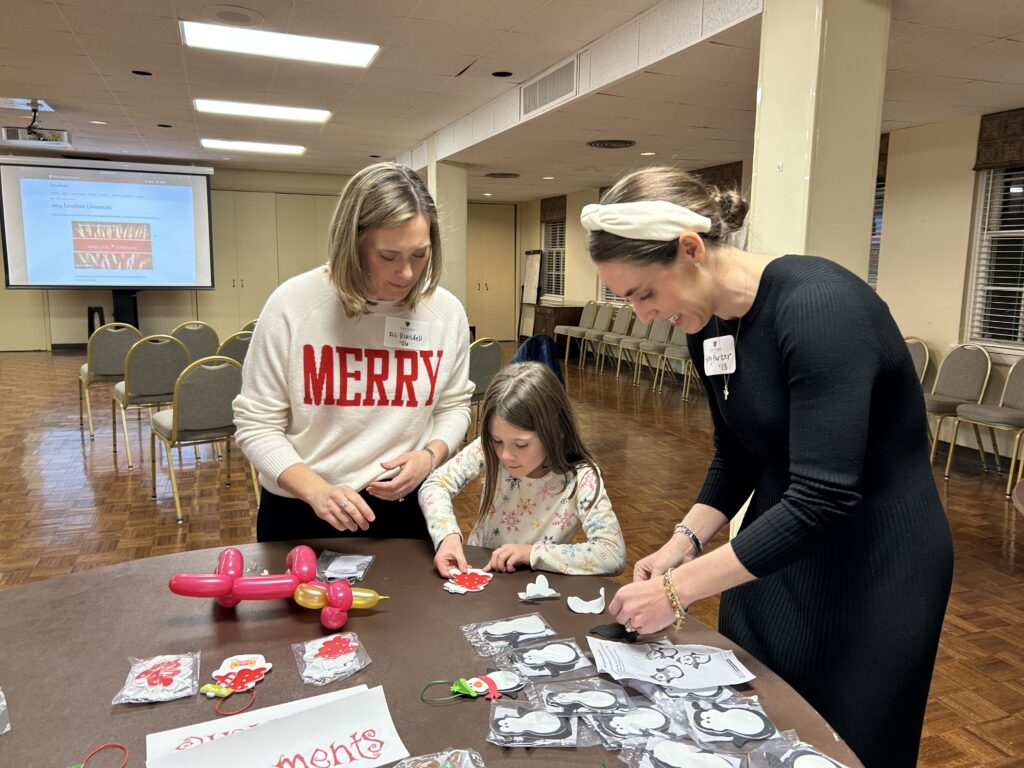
[[356, 384], [541, 486]]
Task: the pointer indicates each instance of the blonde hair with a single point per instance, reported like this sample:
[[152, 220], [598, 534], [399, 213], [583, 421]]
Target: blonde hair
[[380, 195], [726, 209], [529, 396]]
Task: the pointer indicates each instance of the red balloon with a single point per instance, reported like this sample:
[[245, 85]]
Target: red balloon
[[301, 561], [265, 587], [230, 562], [201, 584], [333, 618], [339, 595]]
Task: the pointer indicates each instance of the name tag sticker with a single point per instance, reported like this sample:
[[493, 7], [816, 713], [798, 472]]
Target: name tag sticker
[[719, 355], [400, 333]]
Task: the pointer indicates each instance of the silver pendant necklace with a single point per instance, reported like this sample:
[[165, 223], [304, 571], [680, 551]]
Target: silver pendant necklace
[[725, 377]]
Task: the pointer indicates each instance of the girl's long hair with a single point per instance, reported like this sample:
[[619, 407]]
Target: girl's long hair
[[529, 396]]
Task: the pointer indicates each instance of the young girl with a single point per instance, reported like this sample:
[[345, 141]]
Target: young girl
[[541, 486]]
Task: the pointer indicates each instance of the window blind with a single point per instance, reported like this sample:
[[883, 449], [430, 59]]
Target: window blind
[[997, 295], [553, 244]]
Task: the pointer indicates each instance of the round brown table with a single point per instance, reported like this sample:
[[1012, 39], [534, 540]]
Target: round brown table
[[65, 645]]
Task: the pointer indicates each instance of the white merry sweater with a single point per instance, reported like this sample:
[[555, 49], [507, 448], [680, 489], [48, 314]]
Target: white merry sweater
[[542, 512], [341, 395]]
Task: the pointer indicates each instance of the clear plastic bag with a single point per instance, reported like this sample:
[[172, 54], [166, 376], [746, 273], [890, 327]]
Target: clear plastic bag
[[5, 714], [674, 753], [160, 678], [790, 754], [492, 637], [330, 658], [448, 758], [513, 726], [591, 695], [332, 566], [639, 724], [562, 659], [664, 695]]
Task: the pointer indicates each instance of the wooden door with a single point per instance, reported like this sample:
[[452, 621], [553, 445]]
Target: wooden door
[[256, 245], [491, 268]]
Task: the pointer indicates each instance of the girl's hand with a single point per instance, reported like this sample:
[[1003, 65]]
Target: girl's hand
[[413, 466], [341, 506], [450, 555], [673, 552], [506, 557], [643, 607]]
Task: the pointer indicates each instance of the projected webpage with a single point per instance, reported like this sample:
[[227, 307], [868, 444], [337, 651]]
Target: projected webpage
[[92, 228]]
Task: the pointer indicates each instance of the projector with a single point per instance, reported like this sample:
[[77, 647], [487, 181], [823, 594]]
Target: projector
[[37, 138]]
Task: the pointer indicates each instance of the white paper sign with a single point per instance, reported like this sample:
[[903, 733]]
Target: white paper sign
[[719, 355], [159, 745], [356, 731], [686, 667]]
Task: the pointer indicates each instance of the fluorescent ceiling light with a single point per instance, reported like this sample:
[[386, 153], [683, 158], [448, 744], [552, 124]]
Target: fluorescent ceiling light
[[277, 44], [262, 110], [253, 146]]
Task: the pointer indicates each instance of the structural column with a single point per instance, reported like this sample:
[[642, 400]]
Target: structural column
[[821, 82], [449, 186]]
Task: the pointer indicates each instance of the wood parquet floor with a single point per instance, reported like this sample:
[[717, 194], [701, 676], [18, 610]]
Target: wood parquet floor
[[66, 505]]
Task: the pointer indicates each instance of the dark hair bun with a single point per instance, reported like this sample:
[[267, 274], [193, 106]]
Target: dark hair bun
[[732, 208]]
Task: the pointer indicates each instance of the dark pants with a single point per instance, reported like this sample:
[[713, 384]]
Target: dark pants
[[282, 518]]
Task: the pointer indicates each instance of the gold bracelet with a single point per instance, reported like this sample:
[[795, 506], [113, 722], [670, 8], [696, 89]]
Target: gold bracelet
[[433, 457], [670, 590]]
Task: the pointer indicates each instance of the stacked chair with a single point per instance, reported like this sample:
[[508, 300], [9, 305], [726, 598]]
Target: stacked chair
[[676, 353], [619, 330], [654, 347], [591, 338], [630, 346]]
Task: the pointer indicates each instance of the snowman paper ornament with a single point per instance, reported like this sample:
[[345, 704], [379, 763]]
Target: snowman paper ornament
[[553, 659], [790, 755], [492, 637], [538, 589], [574, 702], [675, 754], [530, 728], [492, 685], [639, 723]]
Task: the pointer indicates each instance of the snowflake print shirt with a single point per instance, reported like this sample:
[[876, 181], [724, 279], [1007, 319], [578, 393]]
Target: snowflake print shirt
[[542, 512]]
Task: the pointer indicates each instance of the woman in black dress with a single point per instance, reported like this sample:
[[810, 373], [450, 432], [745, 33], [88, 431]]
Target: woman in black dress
[[839, 576]]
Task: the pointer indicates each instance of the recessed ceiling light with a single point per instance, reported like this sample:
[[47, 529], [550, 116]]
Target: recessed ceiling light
[[277, 44], [611, 143], [98, 122], [164, 125], [126, 151], [502, 175], [270, 111], [501, 73], [141, 73], [548, 178], [375, 157], [488, 194], [253, 146], [647, 154]]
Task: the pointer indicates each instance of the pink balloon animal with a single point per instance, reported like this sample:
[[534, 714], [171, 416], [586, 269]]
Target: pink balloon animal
[[230, 587]]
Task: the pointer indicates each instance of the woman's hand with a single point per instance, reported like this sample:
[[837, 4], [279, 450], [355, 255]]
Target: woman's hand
[[450, 555], [341, 506], [643, 606], [413, 468], [506, 557], [673, 552]]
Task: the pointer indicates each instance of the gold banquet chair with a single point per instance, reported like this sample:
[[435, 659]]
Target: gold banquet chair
[[962, 379], [236, 346], [200, 413], [591, 339], [587, 317], [198, 337], [919, 354], [1007, 416], [151, 368], [104, 363], [486, 358], [676, 352], [619, 330]]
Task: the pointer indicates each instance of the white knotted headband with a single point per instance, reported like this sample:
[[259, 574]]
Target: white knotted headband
[[643, 220]]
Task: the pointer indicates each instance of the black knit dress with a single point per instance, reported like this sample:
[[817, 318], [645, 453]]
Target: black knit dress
[[825, 423]]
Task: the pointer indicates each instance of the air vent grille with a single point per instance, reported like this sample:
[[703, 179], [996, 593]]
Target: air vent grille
[[552, 87]]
